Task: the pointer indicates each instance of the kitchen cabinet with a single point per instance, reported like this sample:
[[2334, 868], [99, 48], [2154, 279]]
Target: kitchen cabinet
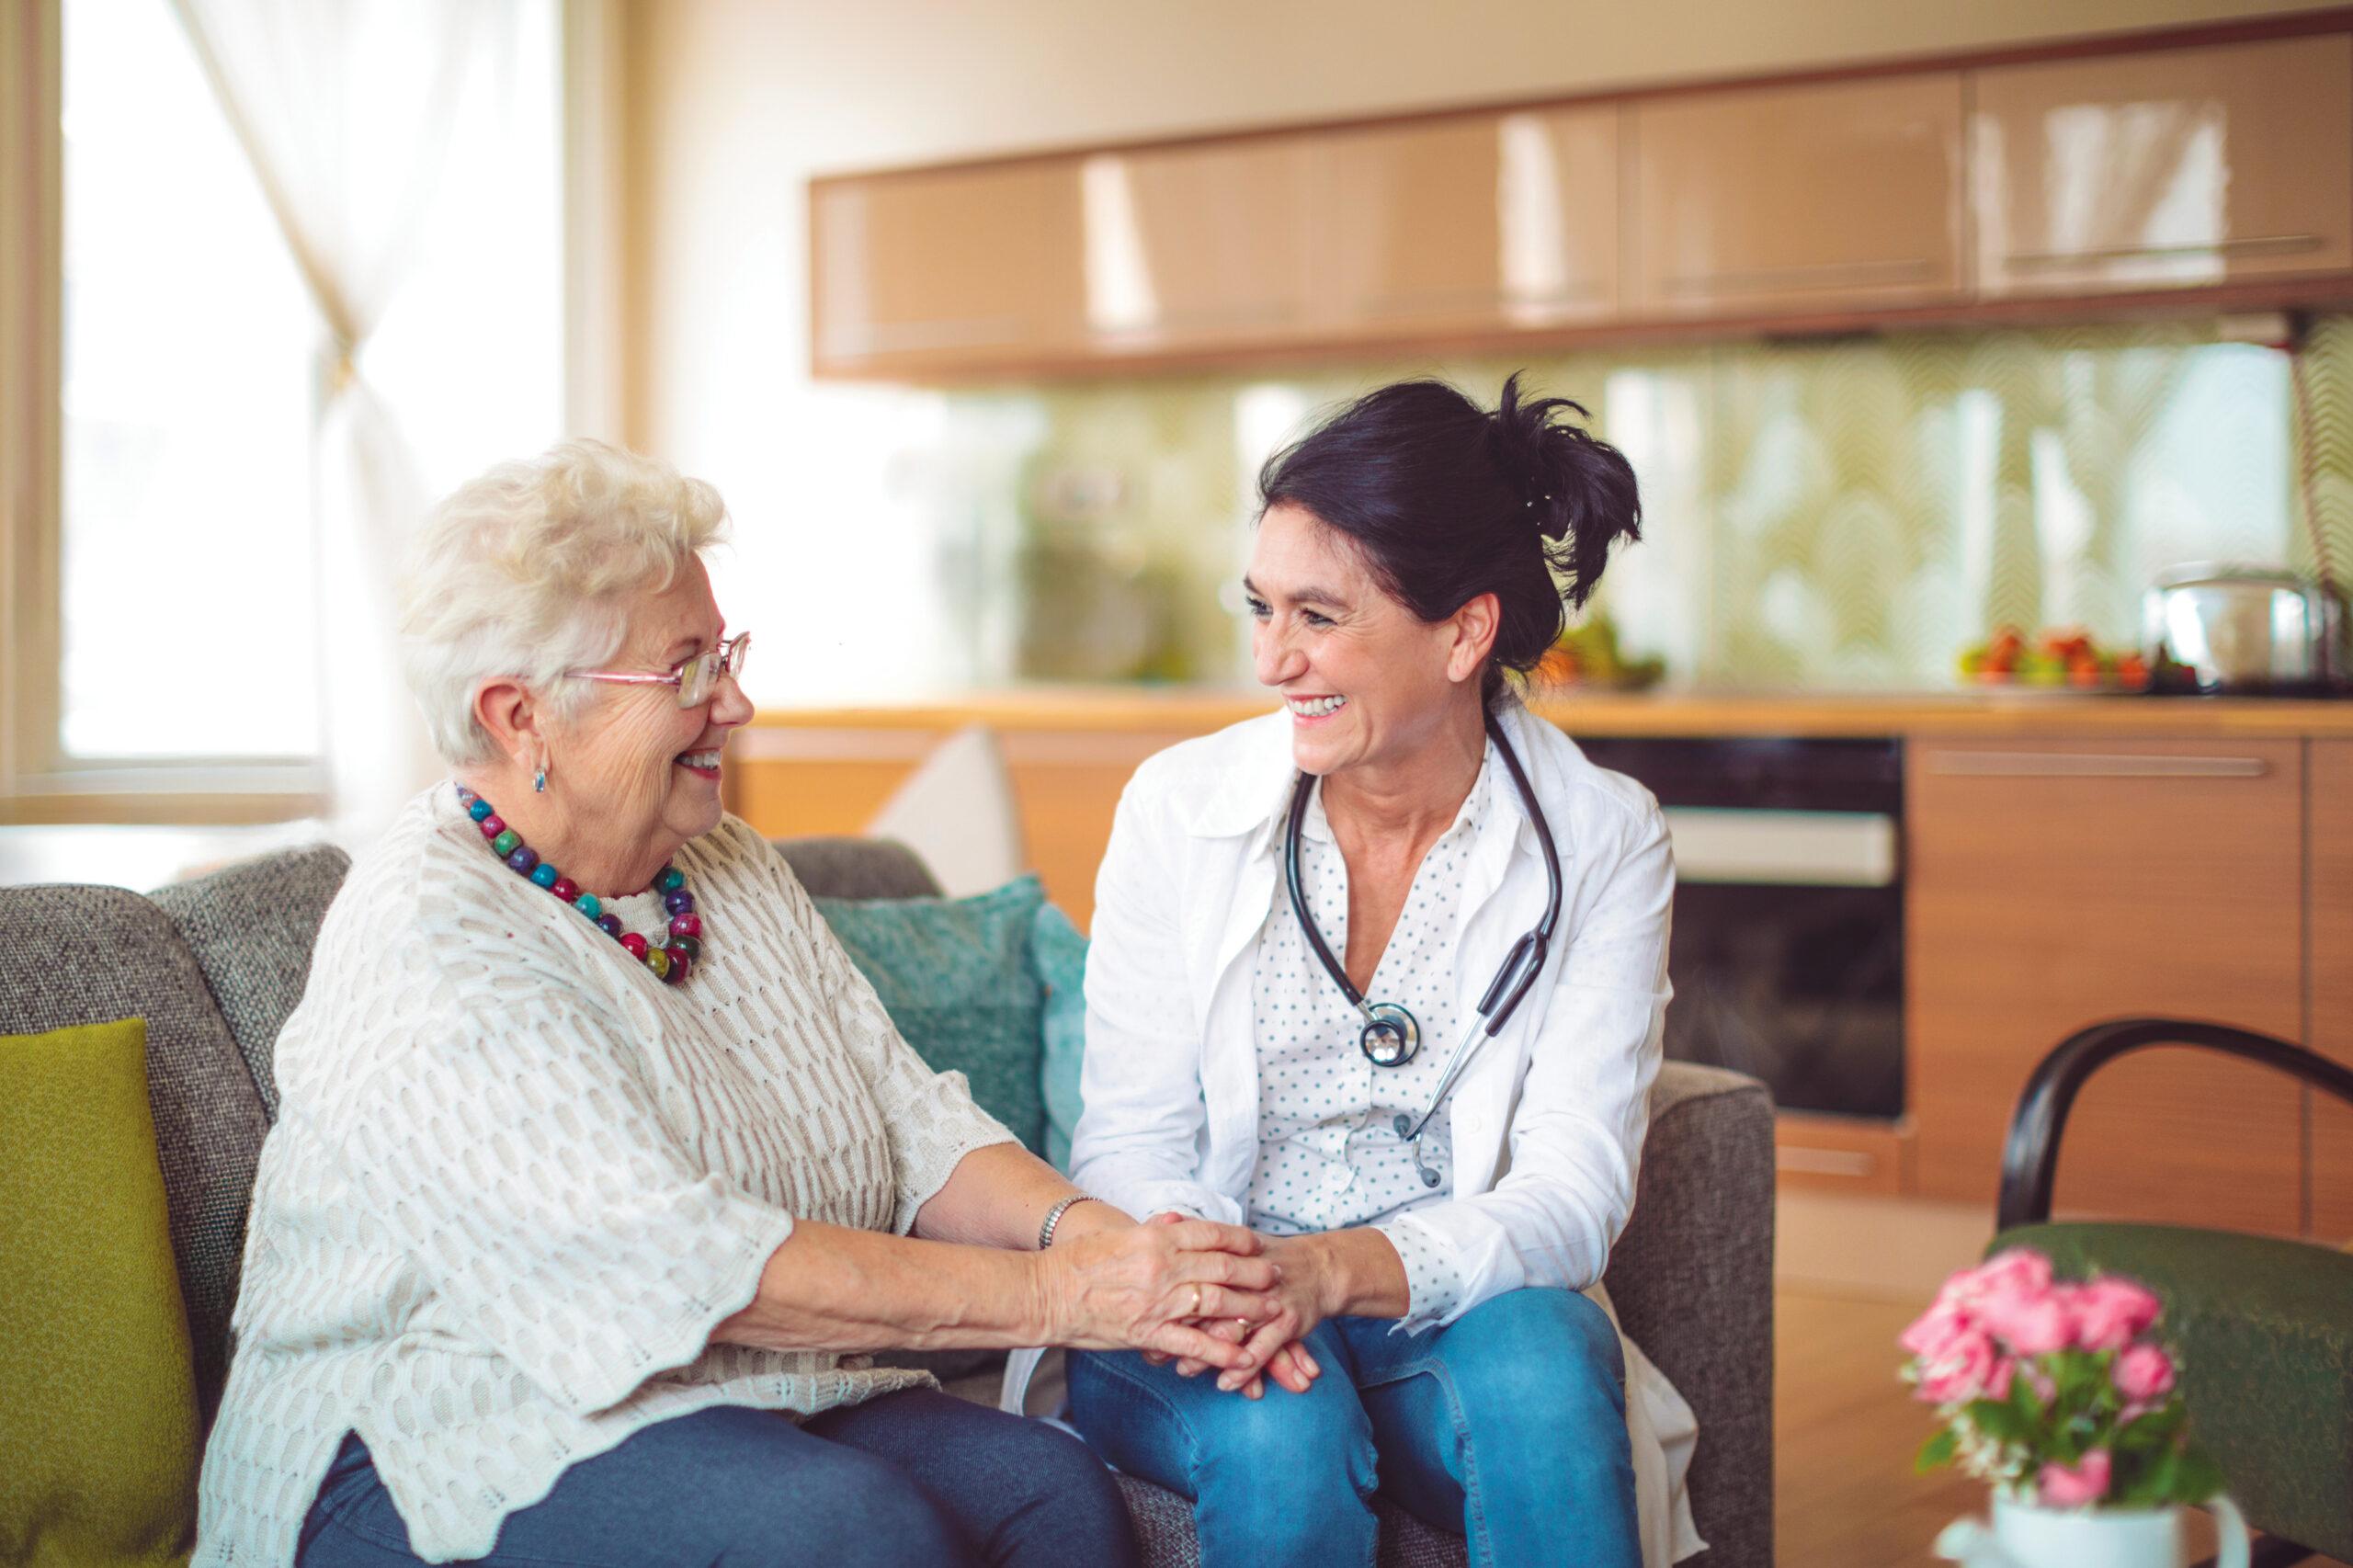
[[1798, 198], [946, 269], [791, 782], [2166, 168], [1838, 1153], [2054, 884], [1066, 787], [1475, 223], [806, 782], [2330, 825], [1978, 188], [1199, 246]]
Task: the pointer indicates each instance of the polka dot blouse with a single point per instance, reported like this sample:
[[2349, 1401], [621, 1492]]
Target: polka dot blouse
[[1329, 1156]]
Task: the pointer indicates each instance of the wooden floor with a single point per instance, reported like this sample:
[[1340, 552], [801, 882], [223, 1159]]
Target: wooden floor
[[1844, 1434], [1851, 1275]]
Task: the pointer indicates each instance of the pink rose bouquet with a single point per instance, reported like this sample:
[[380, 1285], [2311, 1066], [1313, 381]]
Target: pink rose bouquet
[[2061, 1394]]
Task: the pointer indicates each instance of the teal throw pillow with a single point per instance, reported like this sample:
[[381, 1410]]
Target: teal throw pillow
[[955, 975], [1060, 953]]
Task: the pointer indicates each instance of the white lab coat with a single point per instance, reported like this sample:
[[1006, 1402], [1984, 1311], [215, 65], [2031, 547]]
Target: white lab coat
[[1547, 1118]]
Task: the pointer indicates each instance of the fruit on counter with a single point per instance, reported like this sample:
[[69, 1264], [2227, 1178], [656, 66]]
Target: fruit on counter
[[1588, 655], [2059, 656]]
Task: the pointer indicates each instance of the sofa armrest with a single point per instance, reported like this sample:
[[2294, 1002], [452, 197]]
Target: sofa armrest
[[1692, 1280], [843, 867]]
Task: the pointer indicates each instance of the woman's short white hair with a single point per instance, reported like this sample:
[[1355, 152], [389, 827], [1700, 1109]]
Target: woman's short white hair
[[528, 572]]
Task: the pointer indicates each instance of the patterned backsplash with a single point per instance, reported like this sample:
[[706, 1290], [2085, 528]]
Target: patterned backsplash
[[1839, 514]]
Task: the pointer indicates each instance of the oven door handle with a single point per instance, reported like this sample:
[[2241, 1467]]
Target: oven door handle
[[1829, 849]]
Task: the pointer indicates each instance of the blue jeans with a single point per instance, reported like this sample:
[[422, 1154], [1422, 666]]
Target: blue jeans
[[1507, 1425], [914, 1478]]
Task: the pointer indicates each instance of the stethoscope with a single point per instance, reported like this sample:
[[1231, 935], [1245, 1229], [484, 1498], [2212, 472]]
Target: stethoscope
[[1392, 1036]]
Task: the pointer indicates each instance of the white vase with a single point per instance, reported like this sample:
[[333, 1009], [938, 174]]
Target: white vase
[[2026, 1536]]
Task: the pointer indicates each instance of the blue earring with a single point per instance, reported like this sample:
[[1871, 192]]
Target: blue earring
[[540, 781]]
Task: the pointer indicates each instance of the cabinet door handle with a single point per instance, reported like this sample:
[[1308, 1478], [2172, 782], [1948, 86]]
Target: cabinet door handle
[[1824, 1162], [2084, 765], [1811, 274], [2244, 244]]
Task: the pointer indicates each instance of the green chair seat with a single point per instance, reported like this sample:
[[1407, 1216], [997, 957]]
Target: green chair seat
[[2264, 1329]]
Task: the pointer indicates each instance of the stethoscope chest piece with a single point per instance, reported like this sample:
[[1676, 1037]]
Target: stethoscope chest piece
[[1391, 1037]]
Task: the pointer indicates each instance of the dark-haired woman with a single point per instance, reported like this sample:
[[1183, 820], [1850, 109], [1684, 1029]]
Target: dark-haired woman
[[1442, 1242]]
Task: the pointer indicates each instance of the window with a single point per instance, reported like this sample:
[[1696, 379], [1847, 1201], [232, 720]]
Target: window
[[166, 377], [187, 599]]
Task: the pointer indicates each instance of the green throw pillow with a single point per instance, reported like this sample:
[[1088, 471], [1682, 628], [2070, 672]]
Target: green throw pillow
[[1060, 953], [96, 1375], [954, 975]]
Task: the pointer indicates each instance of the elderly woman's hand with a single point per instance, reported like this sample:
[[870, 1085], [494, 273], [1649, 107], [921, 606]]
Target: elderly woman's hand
[[1140, 1288]]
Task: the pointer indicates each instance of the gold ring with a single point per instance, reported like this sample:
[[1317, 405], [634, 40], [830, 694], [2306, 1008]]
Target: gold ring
[[1196, 1302]]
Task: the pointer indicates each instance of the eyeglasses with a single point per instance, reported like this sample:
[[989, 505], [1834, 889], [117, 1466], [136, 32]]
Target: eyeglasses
[[695, 679]]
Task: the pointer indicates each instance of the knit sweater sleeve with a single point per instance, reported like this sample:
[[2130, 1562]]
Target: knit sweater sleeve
[[514, 1146], [933, 1120]]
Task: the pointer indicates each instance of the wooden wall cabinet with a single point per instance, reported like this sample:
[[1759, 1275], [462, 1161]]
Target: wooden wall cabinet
[[946, 269], [2330, 881], [2171, 168], [1787, 199], [1466, 223], [1999, 191], [2056, 884], [1200, 245]]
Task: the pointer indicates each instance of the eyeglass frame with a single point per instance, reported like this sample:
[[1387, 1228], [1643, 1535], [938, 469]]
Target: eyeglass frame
[[725, 658]]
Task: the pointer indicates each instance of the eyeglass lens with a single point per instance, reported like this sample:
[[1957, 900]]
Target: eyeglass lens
[[702, 672]]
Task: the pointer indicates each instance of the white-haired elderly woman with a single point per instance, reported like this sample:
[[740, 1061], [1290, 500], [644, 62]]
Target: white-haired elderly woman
[[597, 1165]]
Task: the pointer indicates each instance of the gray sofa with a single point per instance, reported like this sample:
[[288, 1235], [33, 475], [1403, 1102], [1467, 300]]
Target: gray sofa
[[215, 965]]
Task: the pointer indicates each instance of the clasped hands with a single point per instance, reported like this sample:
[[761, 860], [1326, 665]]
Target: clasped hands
[[1196, 1292]]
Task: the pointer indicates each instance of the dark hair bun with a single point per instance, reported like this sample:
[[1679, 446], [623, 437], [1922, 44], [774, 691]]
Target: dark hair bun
[[1580, 490], [1448, 502]]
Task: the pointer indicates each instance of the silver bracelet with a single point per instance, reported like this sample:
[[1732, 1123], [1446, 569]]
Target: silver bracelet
[[1055, 1217]]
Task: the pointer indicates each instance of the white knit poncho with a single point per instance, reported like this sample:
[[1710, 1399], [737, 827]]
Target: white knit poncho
[[516, 1181]]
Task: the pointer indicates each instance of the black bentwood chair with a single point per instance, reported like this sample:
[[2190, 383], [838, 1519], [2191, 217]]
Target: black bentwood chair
[[2264, 1325]]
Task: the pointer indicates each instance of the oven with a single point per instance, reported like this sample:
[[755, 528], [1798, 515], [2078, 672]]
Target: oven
[[1787, 954]]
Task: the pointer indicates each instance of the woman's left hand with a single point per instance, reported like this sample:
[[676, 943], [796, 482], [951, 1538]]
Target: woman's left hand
[[1309, 1292], [1327, 1273], [1282, 1343]]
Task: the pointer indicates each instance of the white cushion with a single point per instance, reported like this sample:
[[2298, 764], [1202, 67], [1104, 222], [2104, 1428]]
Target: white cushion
[[957, 813]]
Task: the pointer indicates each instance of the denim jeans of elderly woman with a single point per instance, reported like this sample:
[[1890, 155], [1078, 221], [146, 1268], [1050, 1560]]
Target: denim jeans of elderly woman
[[1507, 1425], [916, 1479]]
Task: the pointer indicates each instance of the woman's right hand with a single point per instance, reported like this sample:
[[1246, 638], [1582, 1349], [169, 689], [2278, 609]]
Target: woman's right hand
[[1140, 1288]]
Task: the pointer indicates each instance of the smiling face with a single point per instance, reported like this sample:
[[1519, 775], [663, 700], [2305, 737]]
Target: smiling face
[[639, 771], [1369, 683]]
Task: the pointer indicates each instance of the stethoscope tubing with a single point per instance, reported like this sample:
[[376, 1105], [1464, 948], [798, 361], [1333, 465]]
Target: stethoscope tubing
[[1513, 977]]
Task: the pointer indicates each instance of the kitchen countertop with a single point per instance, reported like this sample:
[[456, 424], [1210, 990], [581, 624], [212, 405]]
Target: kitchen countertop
[[1991, 713]]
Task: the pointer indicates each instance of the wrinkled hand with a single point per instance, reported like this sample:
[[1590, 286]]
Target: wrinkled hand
[[1287, 1361], [1146, 1288]]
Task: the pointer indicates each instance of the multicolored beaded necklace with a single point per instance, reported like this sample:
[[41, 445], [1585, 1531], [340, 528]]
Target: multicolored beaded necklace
[[671, 954]]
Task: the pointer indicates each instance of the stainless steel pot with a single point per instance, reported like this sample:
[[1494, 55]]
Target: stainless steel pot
[[2245, 628]]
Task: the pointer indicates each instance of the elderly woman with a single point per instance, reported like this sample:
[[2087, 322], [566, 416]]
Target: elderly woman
[[597, 1167], [1384, 975]]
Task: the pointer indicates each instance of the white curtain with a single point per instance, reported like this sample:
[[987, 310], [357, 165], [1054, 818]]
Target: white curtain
[[350, 112]]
